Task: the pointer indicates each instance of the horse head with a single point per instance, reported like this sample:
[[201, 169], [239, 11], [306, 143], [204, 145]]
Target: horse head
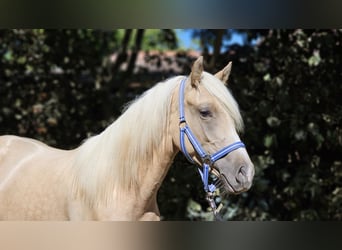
[[209, 122]]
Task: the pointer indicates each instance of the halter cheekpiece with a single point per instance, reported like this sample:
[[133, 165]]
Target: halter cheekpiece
[[207, 160]]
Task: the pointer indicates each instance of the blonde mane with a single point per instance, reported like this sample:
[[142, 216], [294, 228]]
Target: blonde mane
[[110, 161]]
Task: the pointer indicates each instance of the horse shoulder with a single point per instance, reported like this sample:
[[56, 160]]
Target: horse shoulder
[[33, 176]]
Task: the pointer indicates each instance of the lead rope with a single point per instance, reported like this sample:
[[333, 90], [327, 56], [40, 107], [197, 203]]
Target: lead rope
[[212, 204], [210, 193]]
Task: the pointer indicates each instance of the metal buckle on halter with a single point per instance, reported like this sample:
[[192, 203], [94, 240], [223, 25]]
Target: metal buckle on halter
[[207, 160], [206, 167], [211, 188], [182, 124]]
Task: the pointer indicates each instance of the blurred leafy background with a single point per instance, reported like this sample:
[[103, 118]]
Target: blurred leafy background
[[62, 86]]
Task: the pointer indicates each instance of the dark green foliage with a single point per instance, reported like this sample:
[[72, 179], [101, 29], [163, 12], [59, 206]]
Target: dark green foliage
[[51, 80], [58, 86], [289, 90]]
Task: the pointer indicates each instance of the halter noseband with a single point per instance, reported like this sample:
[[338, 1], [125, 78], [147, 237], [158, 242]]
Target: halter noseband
[[207, 159]]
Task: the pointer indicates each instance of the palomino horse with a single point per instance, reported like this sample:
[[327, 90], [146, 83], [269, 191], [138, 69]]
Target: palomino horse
[[116, 175]]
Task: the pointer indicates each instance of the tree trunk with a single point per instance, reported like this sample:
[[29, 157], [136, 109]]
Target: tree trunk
[[217, 48], [122, 56], [137, 47]]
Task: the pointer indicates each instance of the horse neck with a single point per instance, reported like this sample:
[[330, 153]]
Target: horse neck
[[132, 156], [152, 173]]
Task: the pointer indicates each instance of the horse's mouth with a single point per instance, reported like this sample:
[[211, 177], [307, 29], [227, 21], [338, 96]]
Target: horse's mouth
[[223, 184], [215, 172]]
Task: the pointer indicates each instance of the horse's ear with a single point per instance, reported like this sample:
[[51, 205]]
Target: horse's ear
[[223, 75], [196, 71]]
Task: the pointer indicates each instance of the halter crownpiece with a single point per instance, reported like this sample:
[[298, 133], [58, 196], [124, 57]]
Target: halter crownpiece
[[207, 159]]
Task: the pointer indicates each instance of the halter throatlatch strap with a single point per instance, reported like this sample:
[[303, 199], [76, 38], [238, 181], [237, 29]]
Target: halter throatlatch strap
[[207, 160]]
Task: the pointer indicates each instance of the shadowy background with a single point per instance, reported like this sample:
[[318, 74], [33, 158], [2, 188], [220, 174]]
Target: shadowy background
[[62, 86]]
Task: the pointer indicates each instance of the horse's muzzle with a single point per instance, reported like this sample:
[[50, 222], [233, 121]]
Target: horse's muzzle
[[235, 180]]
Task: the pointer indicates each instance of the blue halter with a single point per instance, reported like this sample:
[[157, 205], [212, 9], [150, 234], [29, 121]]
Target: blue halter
[[207, 159]]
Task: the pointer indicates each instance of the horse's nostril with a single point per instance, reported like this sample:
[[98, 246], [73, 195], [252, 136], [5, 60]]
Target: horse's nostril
[[241, 174], [243, 171]]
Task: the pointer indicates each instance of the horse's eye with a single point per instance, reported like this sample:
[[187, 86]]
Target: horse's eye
[[205, 113]]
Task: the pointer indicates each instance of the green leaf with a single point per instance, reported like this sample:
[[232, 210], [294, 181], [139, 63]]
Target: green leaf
[[315, 59], [21, 60], [267, 77], [194, 206], [273, 121], [268, 141], [8, 56]]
